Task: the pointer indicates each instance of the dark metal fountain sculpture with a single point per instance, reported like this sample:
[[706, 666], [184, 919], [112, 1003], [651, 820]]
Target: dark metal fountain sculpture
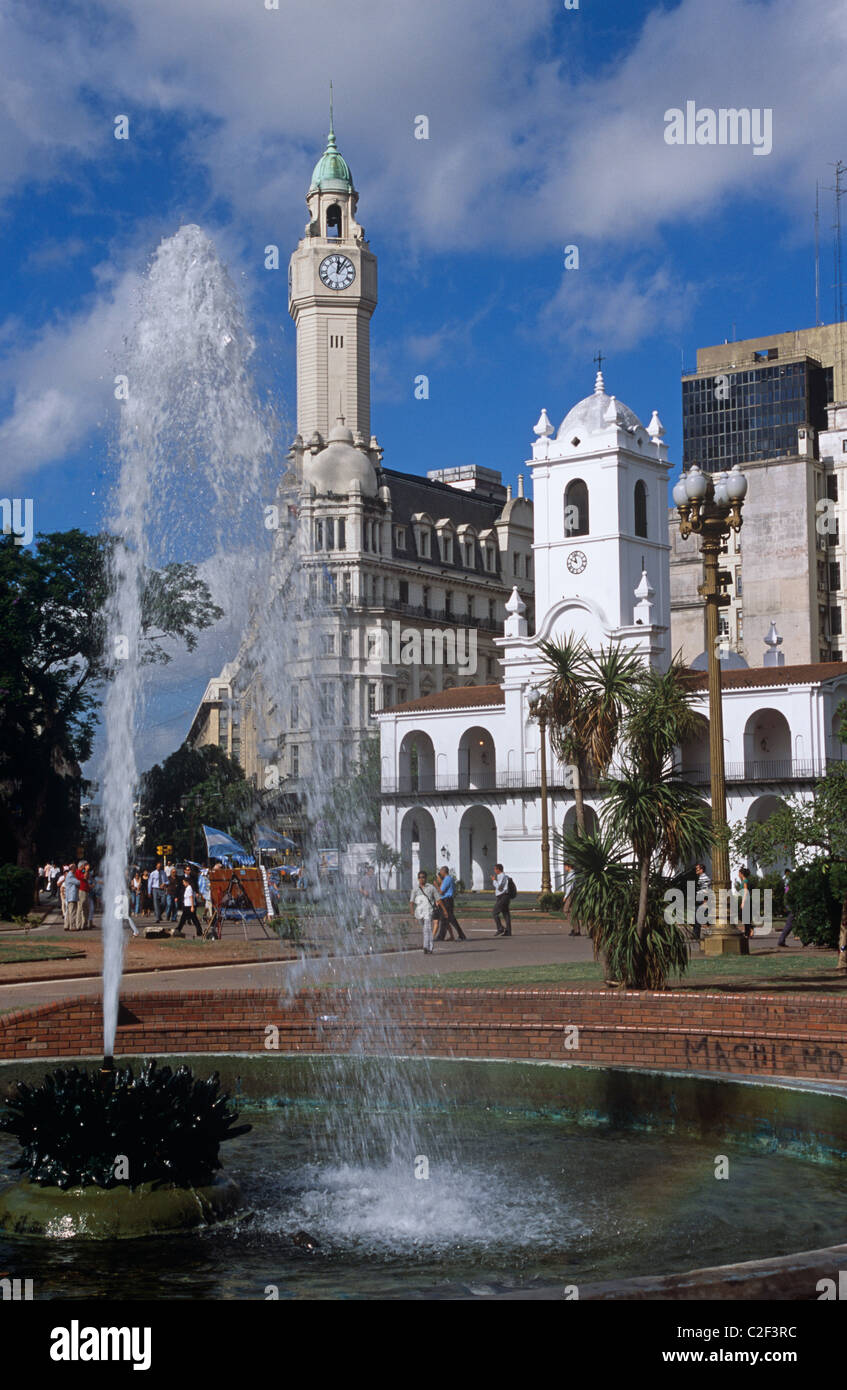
[[108, 1153]]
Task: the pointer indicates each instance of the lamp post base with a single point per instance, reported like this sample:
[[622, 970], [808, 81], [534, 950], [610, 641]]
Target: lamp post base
[[726, 943]]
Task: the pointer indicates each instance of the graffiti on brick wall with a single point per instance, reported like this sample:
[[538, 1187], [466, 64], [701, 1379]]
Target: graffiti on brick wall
[[708, 1051]]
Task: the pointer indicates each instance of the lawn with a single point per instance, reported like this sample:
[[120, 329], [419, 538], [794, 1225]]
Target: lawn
[[12, 953], [775, 970]]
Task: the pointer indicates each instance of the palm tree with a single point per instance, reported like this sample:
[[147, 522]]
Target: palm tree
[[651, 820], [586, 698]]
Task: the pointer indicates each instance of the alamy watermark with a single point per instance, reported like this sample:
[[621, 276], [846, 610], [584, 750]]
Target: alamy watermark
[[428, 646], [727, 125], [17, 518], [704, 907]]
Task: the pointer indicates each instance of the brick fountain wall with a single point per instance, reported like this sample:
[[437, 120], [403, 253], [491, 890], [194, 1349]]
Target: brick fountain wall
[[750, 1034]]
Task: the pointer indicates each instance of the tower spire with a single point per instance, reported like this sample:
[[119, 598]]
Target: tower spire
[[330, 144]]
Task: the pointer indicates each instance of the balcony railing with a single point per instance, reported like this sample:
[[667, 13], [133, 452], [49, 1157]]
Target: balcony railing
[[763, 770]]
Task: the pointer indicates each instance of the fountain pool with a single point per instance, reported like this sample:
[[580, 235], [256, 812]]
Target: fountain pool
[[520, 1177]]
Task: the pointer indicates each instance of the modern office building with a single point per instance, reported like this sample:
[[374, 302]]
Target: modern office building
[[770, 405]]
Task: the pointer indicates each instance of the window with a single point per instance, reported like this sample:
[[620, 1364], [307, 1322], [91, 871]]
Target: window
[[400, 537], [447, 547], [346, 642], [492, 611], [468, 554], [342, 533], [576, 508], [529, 566], [345, 703], [844, 446], [426, 598], [835, 622], [326, 695], [223, 693], [448, 604], [372, 699], [319, 535], [347, 586], [640, 500], [489, 558], [403, 588], [489, 666], [739, 584], [402, 694], [423, 544], [834, 575], [328, 644], [470, 605], [330, 533], [295, 761], [740, 625], [373, 644], [516, 564], [336, 340], [388, 696]]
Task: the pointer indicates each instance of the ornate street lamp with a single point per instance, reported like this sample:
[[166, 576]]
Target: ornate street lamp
[[538, 710], [710, 505]]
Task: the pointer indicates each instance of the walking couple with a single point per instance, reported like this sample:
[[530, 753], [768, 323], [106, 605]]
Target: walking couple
[[431, 900]]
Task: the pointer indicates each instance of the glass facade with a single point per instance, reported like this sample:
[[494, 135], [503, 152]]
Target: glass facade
[[738, 416]]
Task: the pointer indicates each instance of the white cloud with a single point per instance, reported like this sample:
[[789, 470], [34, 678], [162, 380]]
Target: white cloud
[[526, 151]]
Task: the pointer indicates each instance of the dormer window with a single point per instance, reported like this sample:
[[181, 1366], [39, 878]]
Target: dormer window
[[400, 538], [422, 525]]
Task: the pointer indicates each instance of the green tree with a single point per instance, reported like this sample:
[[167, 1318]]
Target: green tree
[[203, 784], [53, 667], [815, 830]]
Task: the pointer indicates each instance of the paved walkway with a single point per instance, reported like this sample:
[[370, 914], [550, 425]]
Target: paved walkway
[[532, 944]]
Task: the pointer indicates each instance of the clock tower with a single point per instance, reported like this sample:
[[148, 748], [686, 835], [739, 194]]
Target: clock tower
[[331, 296]]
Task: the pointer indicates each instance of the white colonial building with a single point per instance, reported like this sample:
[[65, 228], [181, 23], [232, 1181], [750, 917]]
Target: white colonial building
[[461, 768]]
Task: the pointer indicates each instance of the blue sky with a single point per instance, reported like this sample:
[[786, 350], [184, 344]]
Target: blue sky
[[546, 130]]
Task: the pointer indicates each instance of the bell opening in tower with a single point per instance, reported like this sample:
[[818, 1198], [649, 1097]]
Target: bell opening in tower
[[333, 220]]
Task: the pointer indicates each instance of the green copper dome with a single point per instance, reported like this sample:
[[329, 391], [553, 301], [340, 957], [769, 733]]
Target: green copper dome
[[332, 172]]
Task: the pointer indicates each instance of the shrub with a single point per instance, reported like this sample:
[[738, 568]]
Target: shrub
[[17, 891], [550, 902], [73, 1127], [816, 894], [288, 927]]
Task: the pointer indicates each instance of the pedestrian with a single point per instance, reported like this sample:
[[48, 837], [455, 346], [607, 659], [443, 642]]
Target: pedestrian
[[702, 884], [422, 905], [145, 892], [369, 912], [156, 884], [204, 889], [742, 886], [70, 892], [789, 915], [135, 886], [95, 895], [445, 887], [567, 891], [81, 915], [502, 897], [172, 893], [188, 912]]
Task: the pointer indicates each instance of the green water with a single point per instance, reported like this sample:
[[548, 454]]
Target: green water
[[510, 1200]]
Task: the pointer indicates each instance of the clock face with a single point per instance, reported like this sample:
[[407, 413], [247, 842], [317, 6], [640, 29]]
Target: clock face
[[577, 560], [337, 272]]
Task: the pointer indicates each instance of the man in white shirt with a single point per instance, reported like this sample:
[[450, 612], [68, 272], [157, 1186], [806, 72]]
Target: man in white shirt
[[501, 902], [422, 904]]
